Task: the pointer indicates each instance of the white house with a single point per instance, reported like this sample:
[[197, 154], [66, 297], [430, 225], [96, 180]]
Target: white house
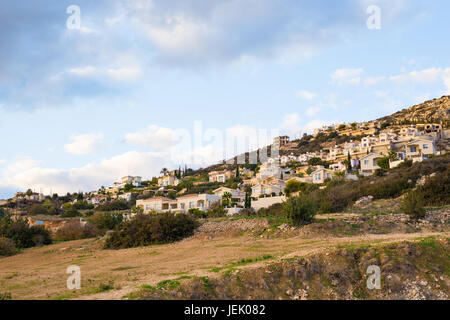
[[369, 163], [420, 149], [235, 194], [320, 175]]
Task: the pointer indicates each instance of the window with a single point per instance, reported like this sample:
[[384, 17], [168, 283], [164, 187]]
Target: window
[[366, 162], [147, 207], [191, 205], [182, 206], [425, 146], [413, 149]]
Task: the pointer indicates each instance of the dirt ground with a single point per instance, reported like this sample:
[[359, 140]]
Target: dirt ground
[[40, 273]]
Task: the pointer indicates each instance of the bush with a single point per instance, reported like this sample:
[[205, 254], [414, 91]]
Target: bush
[[22, 234], [117, 205], [106, 220], [412, 204], [75, 231], [197, 213], [37, 209], [247, 212], [436, 190], [216, 210], [144, 230], [300, 210], [7, 247]]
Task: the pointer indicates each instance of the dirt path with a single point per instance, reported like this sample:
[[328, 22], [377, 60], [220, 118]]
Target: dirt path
[[40, 273]]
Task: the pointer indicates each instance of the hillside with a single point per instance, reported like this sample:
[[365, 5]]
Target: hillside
[[432, 111]]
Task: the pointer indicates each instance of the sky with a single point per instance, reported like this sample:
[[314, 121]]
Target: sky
[[91, 91]]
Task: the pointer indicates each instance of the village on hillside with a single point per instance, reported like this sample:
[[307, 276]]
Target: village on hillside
[[335, 152]]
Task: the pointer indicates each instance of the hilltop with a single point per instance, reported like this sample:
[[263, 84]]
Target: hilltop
[[432, 111]]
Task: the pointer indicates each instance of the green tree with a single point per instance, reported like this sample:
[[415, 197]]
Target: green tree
[[413, 205], [128, 187], [226, 199], [383, 163], [300, 210]]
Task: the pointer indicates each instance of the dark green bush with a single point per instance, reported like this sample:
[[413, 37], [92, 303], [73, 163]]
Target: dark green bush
[[22, 234], [117, 205], [106, 220], [300, 210], [144, 230], [412, 204]]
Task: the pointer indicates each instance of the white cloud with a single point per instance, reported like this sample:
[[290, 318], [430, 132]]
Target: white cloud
[[347, 76], [312, 111], [128, 73], [422, 76], [84, 144], [371, 81], [27, 173], [155, 137], [306, 95]]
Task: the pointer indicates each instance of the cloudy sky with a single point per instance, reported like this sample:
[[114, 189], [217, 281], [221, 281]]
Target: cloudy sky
[[140, 85]]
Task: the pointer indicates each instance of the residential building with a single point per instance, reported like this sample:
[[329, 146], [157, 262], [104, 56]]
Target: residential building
[[181, 204], [199, 201], [135, 181], [168, 180], [125, 196], [369, 163], [280, 141], [320, 175], [221, 176], [267, 189], [238, 195], [420, 149], [157, 204]]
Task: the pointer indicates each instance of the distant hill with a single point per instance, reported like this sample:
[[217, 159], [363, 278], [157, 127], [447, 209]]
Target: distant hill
[[432, 111]]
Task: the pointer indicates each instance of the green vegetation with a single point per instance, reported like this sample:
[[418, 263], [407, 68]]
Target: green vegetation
[[105, 221], [76, 230], [412, 204], [22, 234], [300, 210], [144, 230]]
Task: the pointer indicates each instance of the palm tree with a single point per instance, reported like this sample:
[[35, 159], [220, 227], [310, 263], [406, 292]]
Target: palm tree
[[164, 171]]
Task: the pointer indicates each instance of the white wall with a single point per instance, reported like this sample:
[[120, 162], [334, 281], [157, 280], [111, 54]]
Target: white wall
[[267, 202]]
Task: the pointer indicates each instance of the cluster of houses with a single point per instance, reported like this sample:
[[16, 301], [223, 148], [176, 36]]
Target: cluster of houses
[[268, 182]]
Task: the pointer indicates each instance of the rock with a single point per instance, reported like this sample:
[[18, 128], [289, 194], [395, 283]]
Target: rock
[[423, 283], [364, 201]]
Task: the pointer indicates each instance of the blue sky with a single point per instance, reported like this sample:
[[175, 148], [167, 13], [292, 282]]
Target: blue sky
[[79, 108]]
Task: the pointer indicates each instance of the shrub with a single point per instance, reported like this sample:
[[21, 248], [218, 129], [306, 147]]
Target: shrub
[[117, 205], [37, 209], [22, 234], [7, 247], [436, 190], [144, 230], [412, 204], [75, 231], [247, 212], [216, 210], [106, 220], [383, 163], [300, 210], [197, 213]]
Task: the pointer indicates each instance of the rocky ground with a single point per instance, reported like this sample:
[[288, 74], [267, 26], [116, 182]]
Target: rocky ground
[[413, 271]]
